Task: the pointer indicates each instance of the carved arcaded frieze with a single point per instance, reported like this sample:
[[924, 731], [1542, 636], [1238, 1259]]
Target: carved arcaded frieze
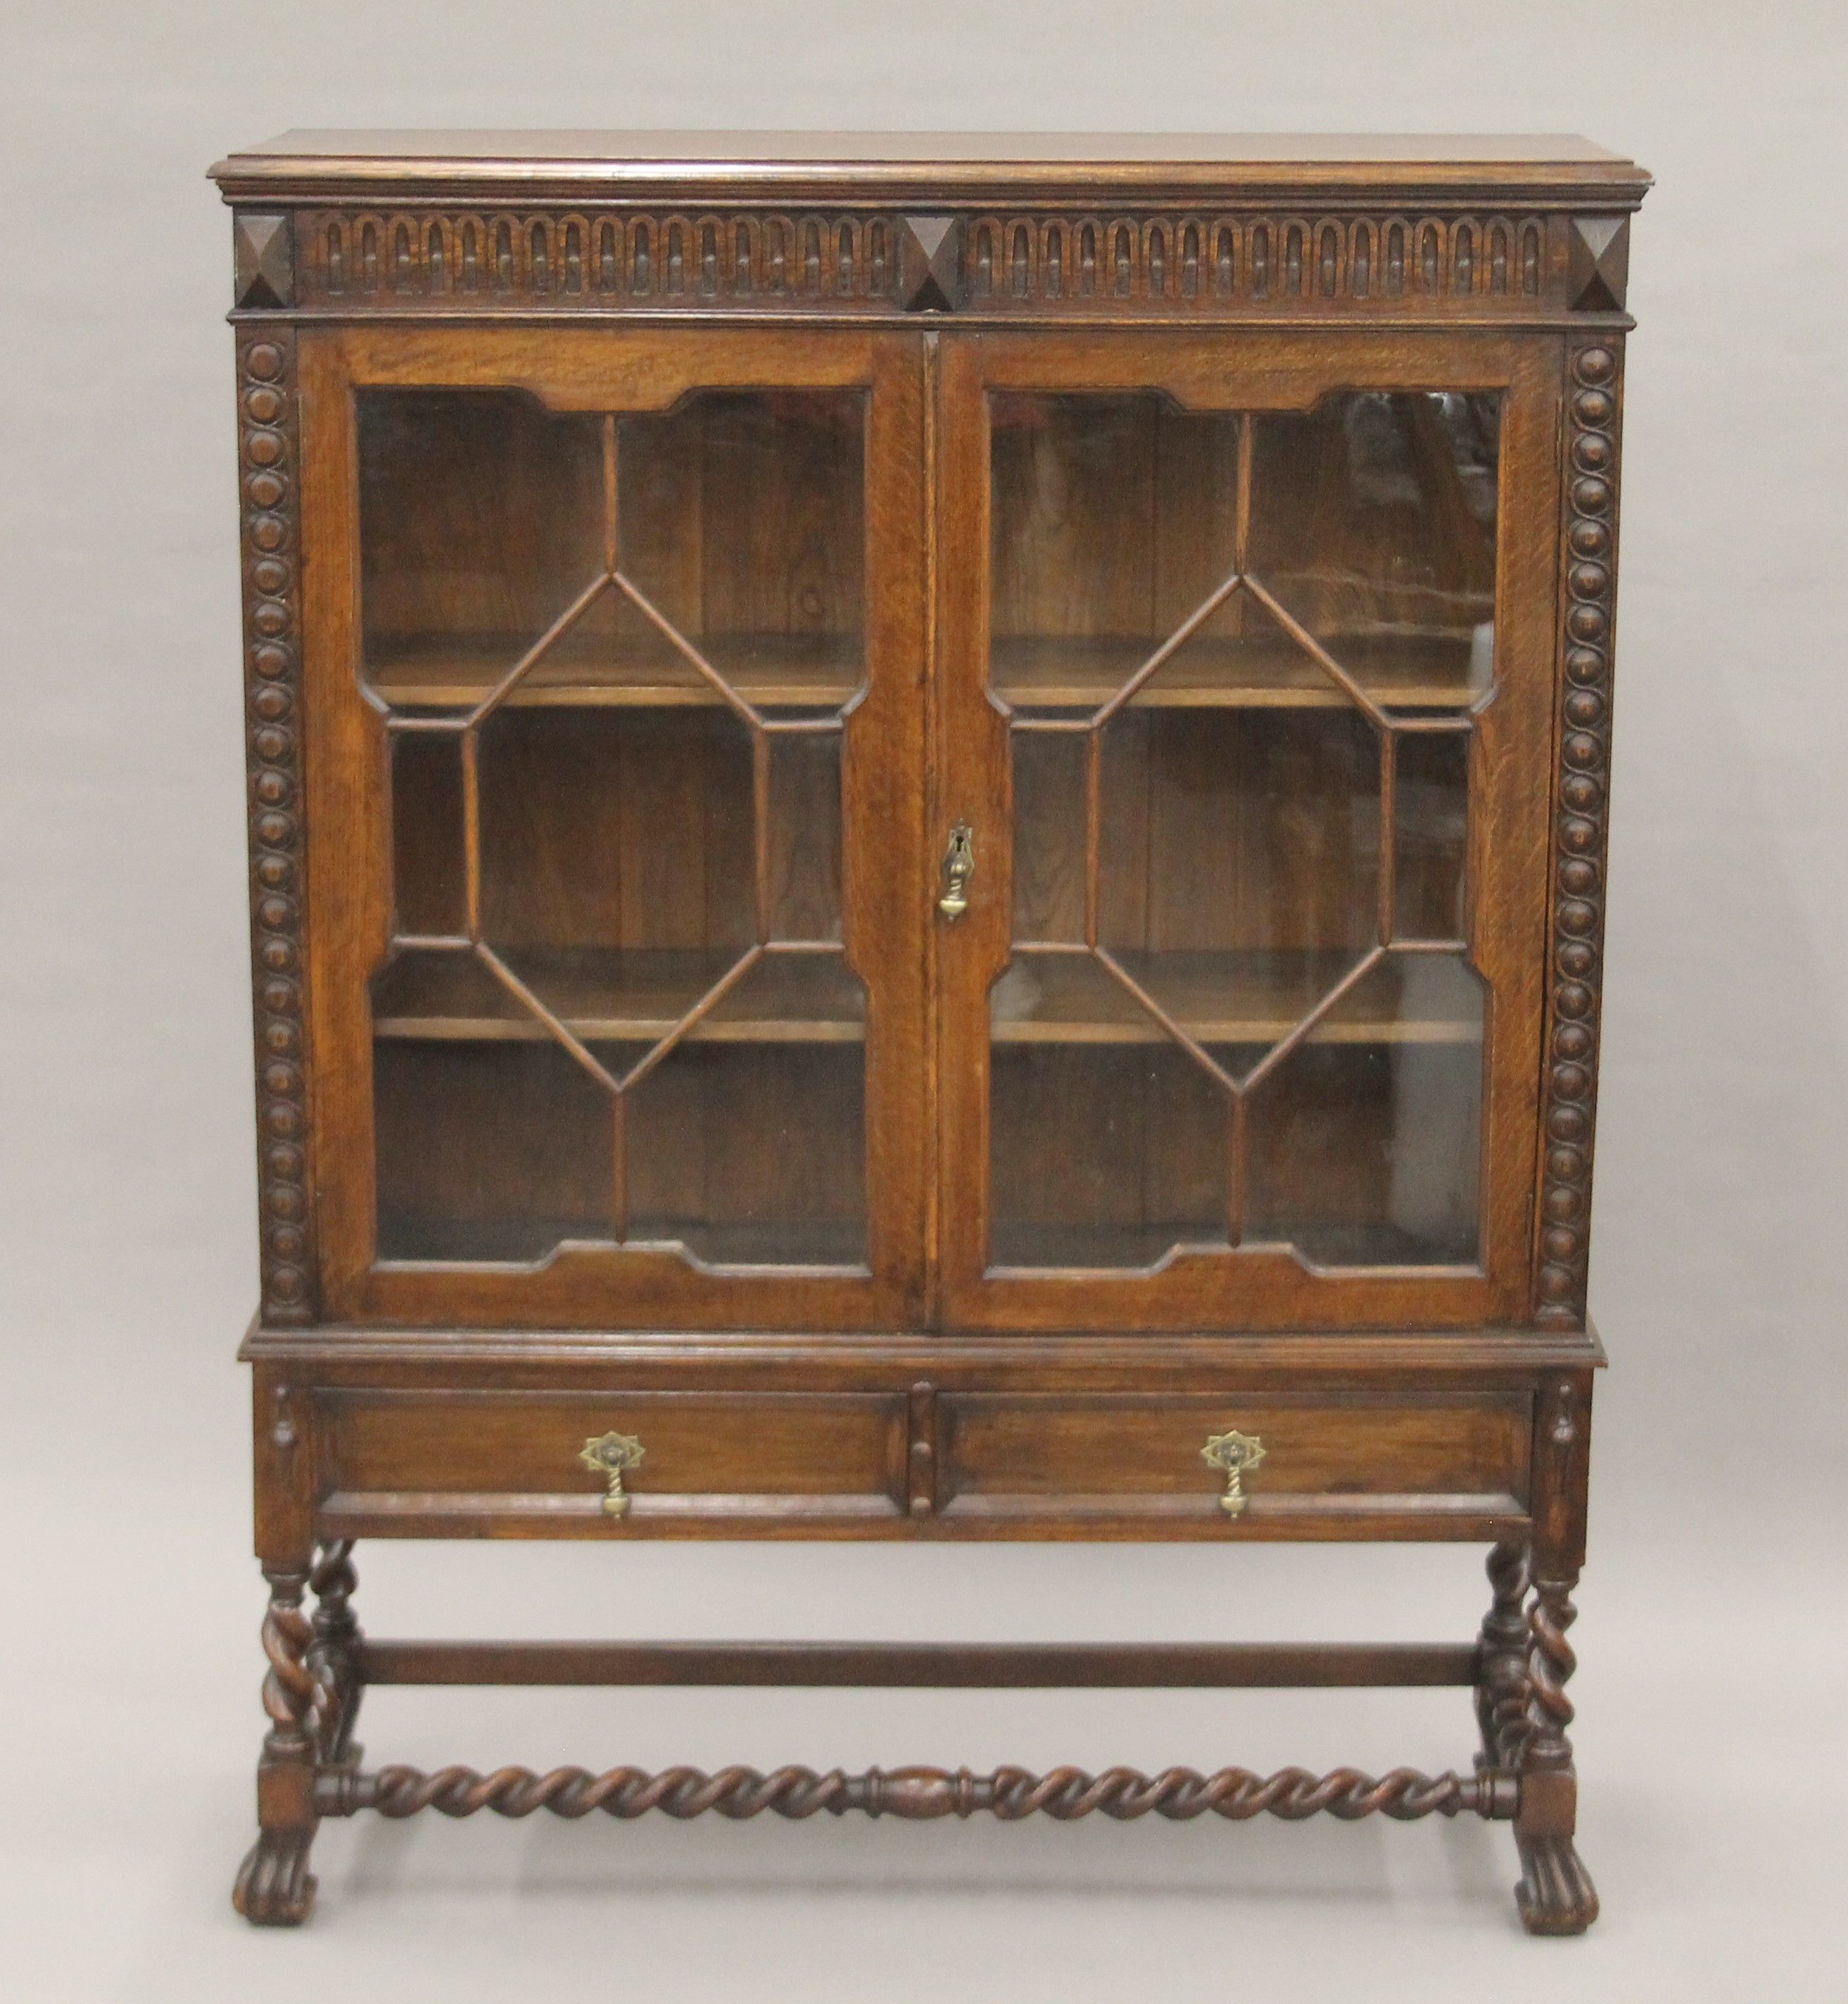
[[1168, 262]]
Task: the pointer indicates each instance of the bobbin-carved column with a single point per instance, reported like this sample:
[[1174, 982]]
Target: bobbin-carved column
[[1580, 825], [1555, 1894], [269, 456]]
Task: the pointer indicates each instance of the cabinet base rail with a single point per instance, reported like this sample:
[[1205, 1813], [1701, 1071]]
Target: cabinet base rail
[[940, 1666], [922, 1794], [918, 1793]]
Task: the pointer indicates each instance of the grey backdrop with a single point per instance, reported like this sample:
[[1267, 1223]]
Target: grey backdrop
[[1710, 1709]]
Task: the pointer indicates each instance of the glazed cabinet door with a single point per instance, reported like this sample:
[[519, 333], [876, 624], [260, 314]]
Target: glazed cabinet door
[[616, 760], [1245, 698]]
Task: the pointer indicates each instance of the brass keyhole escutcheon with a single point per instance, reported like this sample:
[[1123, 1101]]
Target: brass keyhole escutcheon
[[959, 866], [1235, 1455], [613, 1455]]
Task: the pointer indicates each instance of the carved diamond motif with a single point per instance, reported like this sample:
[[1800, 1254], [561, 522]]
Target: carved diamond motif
[[263, 254], [1598, 262], [929, 264]]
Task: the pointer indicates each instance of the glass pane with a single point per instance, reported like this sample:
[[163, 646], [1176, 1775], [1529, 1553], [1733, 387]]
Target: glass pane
[[1430, 835], [741, 528], [1103, 1154], [427, 839], [492, 1143], [1365, 1142], [480, 524], [1238, 864], [616, 852], [1202, 1037], [1049, 835], [804, 835], [1112, 521], [747, 1153], [1373, 524], [1237, 846], [596, 613]]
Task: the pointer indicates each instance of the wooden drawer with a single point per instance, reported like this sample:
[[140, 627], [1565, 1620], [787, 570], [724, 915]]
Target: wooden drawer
[[713, 1463], [1396, 1465], [1380, 1462]]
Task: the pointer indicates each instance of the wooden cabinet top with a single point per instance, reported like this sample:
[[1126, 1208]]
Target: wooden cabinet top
[[865, 226], [1551, 169]]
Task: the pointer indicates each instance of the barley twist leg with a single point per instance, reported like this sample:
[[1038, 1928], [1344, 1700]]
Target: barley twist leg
[[1501, 1680], [330, 1655], [273, 1887], [1555, 1894]]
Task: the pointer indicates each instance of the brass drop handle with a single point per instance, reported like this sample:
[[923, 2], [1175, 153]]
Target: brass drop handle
[[1235, 1455], [613, 1455], [959, 866]]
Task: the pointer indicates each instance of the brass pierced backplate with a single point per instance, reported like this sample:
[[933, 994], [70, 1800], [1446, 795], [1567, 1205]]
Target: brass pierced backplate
[[613, 1455], [1235, 1455]]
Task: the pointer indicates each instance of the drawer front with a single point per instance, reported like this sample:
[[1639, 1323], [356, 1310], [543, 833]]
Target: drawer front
[[711, 1462], [1407, 1465]]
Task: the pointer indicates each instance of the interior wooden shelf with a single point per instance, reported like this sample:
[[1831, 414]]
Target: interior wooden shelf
[[1234, 998], [779, 670], [638, 996], [635, 996], [1264, 670], [587, 670]]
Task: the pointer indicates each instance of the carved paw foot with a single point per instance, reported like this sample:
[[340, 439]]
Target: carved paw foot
[[1555, 1894], [275, 1888]]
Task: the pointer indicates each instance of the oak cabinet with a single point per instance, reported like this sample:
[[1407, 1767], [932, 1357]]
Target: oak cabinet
[[927, 828]]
